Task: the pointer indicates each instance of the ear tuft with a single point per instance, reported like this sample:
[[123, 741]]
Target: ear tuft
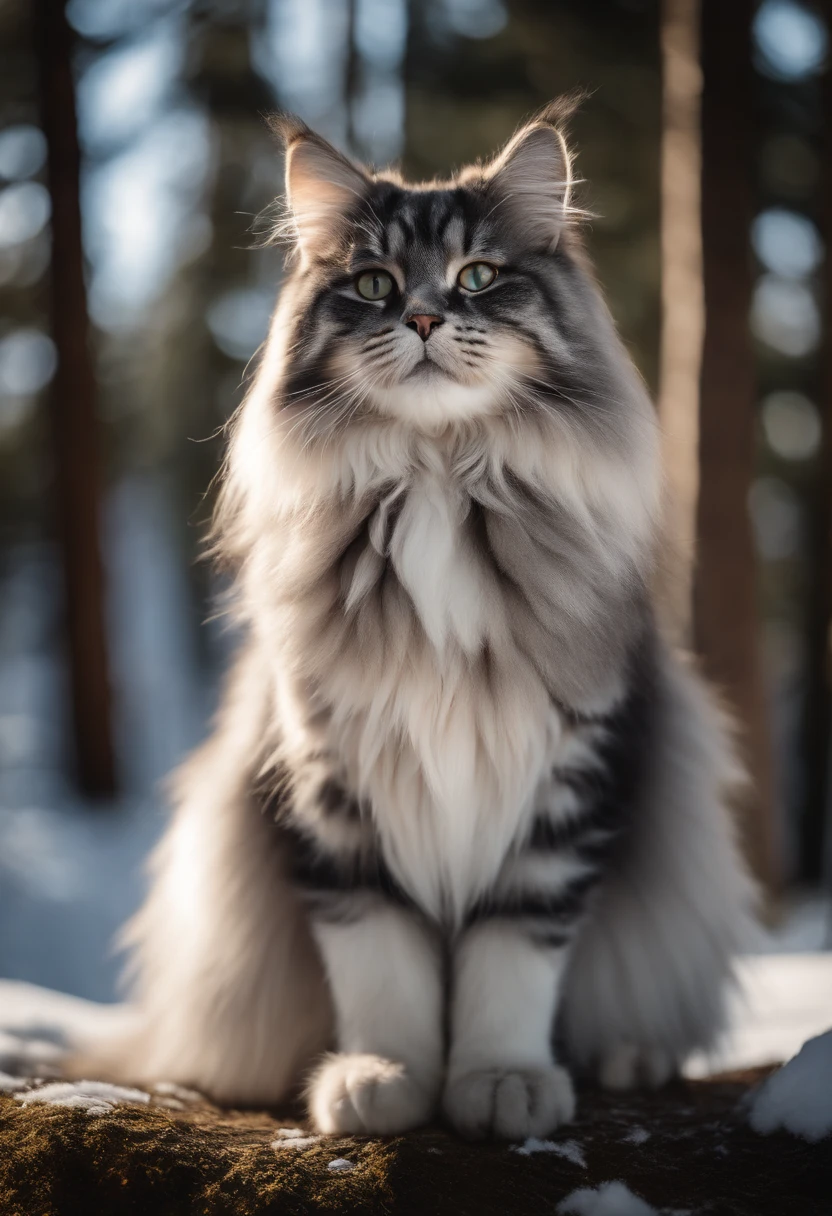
[[322, 186], [287, 127], [560, 111], [533, 174]]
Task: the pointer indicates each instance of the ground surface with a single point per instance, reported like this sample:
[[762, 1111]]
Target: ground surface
[[688, 1149]]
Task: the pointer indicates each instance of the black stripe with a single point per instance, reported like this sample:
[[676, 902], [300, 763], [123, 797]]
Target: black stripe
[[601, 848], [336, 802], [550, 835], [451, 211], [549, 937], [325, 873], [318, 872], [422, 218], [382, 338], [608, 791], [405, 227], [563, 906]]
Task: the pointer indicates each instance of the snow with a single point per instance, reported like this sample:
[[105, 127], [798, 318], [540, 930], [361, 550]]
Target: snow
[[570, 1149], [294, 1137], [9, 1083], [93, 1097], [798, 1097], [781, 1001], [638, 1135], [71, 873], [341, 1165], [609, 1199], [169, 1089]]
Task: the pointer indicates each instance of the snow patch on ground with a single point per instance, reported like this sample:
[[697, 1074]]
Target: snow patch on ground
[[781, 1000], [169, 1089], [294, 1137], [609, 1199], [341, 1165], [638, 1135], [570, 1149], [799, 1096], [93, 1097]]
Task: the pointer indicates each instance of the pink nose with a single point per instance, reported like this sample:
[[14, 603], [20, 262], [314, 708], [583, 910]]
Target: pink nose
[[423, 324]]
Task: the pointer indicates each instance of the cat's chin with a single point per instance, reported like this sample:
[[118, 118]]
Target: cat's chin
[[428, 372], [428, 399]]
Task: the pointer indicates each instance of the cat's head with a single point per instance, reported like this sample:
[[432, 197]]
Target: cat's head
[[441, 303]]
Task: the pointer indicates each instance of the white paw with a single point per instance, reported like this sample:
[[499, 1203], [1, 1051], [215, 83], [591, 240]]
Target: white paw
[[510, 1104], [627, 1066], [367, 1095]]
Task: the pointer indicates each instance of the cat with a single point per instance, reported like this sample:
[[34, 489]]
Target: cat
[[463, 820]]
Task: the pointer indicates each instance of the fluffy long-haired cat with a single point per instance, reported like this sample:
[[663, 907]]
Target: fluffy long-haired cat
[[462, 821]]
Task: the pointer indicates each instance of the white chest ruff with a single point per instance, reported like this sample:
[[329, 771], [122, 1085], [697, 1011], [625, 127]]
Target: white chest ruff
[[450, 744], [449, 588]]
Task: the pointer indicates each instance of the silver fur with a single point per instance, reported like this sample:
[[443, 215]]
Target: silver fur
[[454, 731]]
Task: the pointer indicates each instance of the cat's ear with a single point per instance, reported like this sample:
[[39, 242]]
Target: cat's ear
[[322, 185], [531, 179]]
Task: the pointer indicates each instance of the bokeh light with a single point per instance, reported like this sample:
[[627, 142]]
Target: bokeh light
[[785, 315], [22, 152], [790, 40], [24, 212], [792, 425], [787, 243]]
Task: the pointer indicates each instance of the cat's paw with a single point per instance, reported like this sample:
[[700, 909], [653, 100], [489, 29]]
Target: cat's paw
[[510, 1104], [626, 1066], [368, 1095]]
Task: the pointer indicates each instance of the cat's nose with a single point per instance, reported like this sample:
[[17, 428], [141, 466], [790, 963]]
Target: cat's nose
[[423, 324]]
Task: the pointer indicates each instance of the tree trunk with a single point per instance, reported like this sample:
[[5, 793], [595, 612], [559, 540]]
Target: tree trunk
[[680, 353], [725, 590], [73, 415]]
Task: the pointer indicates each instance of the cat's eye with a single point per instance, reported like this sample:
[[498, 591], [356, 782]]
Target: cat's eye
[[476, 276], [374, 284]]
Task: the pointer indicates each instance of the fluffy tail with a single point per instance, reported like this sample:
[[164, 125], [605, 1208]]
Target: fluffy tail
[[225, 978], [650, 973]]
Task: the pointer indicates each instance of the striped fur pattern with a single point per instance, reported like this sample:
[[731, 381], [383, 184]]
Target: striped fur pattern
[[462, 794]]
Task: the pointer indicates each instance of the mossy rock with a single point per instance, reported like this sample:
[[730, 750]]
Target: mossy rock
[[696, 1154]]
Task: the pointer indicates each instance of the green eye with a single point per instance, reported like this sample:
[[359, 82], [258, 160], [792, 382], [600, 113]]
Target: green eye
[[476, 276], [374, 284]]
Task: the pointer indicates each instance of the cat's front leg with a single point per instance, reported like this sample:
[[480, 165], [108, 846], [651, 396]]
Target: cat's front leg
[[385, 974], [382, 961], [503, 1080]]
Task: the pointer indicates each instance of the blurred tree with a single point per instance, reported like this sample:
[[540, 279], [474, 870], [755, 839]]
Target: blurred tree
[[816, 732], [73, 412], [23, 264], [680, 357], [725, 590]]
